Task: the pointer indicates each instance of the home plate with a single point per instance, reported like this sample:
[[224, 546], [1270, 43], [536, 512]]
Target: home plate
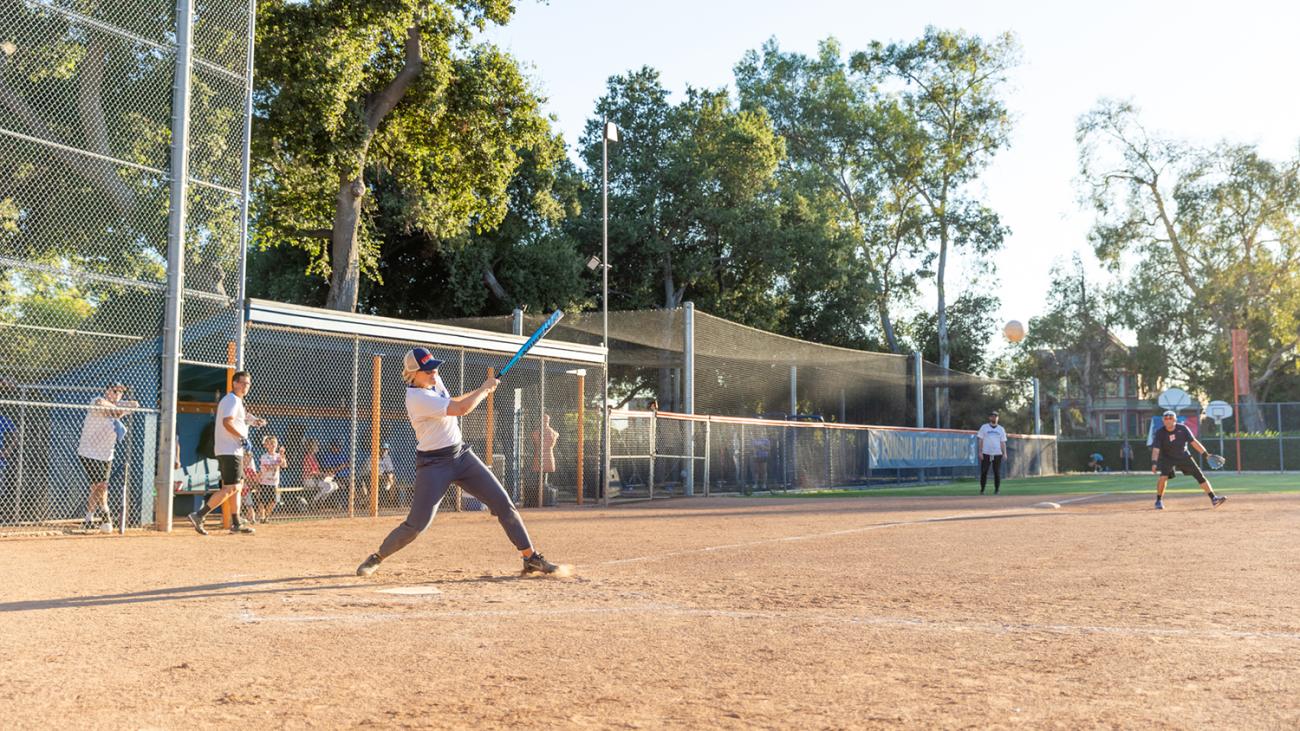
[[1047, 506], [411, 590]]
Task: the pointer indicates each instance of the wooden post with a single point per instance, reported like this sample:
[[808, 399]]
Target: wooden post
[[232, 502], [582, 390], [491, 419], [376, 375]]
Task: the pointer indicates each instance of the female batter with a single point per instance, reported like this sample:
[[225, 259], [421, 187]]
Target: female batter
[[442, 458]]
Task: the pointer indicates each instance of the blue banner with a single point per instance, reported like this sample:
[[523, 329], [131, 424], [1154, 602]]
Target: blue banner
[[917, 449]]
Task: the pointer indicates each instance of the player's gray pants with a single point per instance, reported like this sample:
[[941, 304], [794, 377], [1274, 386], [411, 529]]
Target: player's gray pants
[[435, 471]]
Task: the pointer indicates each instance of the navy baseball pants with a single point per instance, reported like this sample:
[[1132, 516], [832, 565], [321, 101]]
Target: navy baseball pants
[[435, 471]]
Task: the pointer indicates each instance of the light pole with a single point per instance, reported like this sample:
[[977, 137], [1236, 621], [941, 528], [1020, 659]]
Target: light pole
[[609, 134]]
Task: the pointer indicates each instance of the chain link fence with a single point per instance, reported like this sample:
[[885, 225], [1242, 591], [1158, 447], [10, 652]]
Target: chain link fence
[[657, 455], [1273, 448], [337, 442], [87, 120]]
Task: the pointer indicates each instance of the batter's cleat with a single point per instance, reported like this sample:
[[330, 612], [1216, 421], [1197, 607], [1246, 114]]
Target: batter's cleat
[[1217, 500], [536, 564], [197, 521], [1159, 505], [370, 565], [241, 528]]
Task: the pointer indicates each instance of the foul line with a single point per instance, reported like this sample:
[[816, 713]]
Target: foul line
[[247, 616], [1010, 513]]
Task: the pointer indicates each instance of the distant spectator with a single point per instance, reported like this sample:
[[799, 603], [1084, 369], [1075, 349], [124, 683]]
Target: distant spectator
[[544, 440], [1126, 455], [334, 465], [312, 477], [8, 448], [760, 449], [100, 431], [1096, 462], [268, 477], [992, 447], [387, 476]]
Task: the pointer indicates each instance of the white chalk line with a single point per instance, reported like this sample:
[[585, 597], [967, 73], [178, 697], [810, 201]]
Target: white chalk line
[[661, 609], [1081, 499], [1009, 513]]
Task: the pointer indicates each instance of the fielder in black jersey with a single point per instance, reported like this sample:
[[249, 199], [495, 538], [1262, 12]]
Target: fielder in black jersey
[[1169, 452]]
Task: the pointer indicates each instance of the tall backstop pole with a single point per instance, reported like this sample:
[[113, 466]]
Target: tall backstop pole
[[688, 390], [919, 385], [171, 345], [242, 309]]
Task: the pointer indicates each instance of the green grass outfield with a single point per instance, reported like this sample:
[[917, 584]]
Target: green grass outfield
[[1224, 482]]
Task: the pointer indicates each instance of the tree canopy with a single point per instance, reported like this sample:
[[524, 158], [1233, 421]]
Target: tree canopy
[[1213, 235]]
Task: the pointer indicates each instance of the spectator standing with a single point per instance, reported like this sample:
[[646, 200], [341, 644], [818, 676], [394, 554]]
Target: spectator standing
[[230, 440], [544, 440], [992, 441], [98, 444], [387, 475], [268, 478]]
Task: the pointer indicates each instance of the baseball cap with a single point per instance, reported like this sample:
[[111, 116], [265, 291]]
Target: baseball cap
[[420, 359], [385, 446], [116, 386], [1169, 413], [993, 413]]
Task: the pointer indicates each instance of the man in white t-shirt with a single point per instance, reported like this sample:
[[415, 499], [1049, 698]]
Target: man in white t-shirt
[[230, 439], [442, 457], [992, 441], [95, 449]]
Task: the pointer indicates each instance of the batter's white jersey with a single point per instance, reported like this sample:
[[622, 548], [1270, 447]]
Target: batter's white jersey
[[427, 410]]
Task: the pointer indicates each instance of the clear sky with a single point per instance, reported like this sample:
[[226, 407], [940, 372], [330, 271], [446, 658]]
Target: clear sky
[[1198, 70]]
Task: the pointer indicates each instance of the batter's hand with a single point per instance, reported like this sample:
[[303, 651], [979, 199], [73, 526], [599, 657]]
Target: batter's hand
[[490, 384]]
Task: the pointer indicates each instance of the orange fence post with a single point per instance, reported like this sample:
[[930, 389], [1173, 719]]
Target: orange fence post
[[582, 389], [231, 505], [374, 435], [491, 419]]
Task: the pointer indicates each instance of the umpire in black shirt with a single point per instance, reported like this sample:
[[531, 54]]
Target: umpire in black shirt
[[1169, 452]]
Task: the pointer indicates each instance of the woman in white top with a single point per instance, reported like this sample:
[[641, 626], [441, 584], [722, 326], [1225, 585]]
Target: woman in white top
[[442, 458]]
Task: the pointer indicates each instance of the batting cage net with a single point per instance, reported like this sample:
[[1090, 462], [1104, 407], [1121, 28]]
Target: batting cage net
[[87, 120], [740, 371]]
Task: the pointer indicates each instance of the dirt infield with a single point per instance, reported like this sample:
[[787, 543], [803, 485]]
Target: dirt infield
[[719, 613]]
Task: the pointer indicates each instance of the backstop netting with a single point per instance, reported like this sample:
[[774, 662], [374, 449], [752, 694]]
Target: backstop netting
[[740, 371]]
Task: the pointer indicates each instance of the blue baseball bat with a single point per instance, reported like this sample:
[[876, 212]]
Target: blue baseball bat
[[527, 346]]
